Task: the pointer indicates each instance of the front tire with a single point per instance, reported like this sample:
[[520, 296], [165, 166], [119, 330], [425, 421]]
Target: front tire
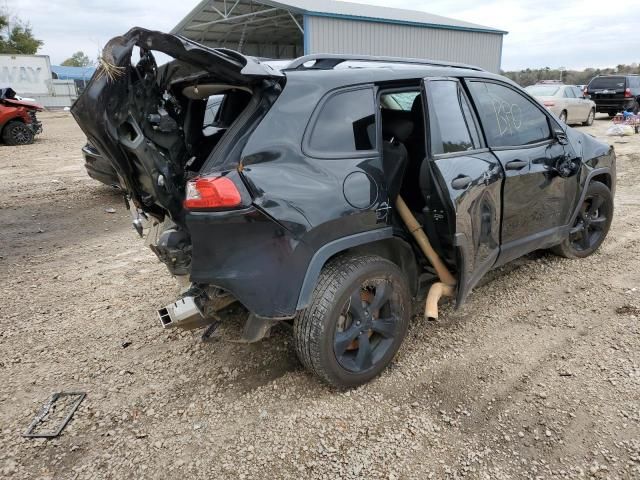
[[356, 321], [591, 226], [590, 118], [17, 133]]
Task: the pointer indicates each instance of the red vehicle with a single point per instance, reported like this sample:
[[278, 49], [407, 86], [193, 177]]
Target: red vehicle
[[18, 122]]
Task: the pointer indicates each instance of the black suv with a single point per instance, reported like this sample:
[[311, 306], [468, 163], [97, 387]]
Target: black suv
[[613, 94], [339, 187]]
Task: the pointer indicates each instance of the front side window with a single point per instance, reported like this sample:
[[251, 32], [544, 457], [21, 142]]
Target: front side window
[[569, 93], [451, 132], [346, 124], [508, 117]]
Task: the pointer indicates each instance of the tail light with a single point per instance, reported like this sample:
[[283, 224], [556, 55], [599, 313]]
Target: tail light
[[627, 93], [549, 103], [211, 192], [585, 92]]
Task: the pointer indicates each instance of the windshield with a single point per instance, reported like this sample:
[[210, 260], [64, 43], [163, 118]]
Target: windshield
[[608, 82], [542, 90]]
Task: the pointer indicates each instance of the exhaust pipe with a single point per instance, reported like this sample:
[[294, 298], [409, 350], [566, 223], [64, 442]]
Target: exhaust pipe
[[447, 281], [182, 313], [437, 291]]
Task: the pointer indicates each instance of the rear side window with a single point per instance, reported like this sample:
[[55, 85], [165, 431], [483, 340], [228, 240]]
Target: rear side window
[[346, 124], [508, 117], [612, 83], [453, 130]]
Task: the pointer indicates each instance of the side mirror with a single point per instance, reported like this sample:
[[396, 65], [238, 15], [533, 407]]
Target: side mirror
[[567, 166]]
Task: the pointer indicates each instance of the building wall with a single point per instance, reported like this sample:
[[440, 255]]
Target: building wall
[[332, 35]]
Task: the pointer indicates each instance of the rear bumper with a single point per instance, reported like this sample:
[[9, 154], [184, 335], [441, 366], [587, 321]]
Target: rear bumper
[[99, 168], [613, 104], [249, 255]]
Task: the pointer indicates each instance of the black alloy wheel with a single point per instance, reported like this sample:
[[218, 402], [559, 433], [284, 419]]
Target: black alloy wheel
[[366, 327], [356, 321], [17, 133], [591, 225]]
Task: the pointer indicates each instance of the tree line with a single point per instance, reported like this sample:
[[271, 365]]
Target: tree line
[[530, 76], [16, 37]]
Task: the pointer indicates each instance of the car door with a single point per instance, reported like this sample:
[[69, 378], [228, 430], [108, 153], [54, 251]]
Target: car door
[[584, 104], [468, 176], [539, 189]]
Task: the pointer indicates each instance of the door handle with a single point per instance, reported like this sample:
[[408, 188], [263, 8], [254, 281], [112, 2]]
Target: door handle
[[516, 165], [460, 183]]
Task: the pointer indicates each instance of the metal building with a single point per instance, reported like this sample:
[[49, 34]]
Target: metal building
[[292, 28]]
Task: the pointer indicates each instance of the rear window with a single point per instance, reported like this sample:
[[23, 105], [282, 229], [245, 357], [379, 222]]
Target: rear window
[[346, 124], [542, 90], [608, 82], [449, 107]]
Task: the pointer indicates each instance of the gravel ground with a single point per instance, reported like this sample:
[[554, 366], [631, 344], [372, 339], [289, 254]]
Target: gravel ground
[[538, 376]]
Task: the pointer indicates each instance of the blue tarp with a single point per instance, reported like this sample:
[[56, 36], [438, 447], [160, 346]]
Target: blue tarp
[[73, 73]]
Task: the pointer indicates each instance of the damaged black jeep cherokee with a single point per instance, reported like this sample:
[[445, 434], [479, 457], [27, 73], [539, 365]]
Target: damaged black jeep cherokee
[[326, 194]]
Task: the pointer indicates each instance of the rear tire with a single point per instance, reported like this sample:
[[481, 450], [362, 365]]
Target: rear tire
[[611, 114], [17, 133], [356, 321], [590, 118], [563, 116], [591, 226]]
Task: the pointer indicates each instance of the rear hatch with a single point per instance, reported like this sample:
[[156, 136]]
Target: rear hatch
[[150, 120], [608, 90]]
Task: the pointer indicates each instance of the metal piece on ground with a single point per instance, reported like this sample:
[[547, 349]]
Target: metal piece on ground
[[210, 330], [447, 281], [45, 411], [256, 328], [436, 291]]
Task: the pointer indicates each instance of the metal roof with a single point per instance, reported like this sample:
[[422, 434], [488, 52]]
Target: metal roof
[[209, 15], [360, 11]]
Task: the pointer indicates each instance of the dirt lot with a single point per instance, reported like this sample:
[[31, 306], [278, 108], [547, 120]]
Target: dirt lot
[[538, 376]]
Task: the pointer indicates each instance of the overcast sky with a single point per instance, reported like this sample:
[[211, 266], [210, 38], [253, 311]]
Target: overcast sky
[[554, 33]]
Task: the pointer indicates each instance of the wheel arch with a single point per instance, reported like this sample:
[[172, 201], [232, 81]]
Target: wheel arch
[[15, 118], [381, 242], [602, 175]]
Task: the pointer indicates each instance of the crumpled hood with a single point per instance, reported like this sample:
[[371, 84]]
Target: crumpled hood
[[22, 103]]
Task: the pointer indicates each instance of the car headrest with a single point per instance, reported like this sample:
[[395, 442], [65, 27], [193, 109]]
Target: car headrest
[[399, 129], [416, 108]]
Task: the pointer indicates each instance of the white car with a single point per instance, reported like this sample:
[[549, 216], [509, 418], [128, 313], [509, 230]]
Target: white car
[[567, 102]]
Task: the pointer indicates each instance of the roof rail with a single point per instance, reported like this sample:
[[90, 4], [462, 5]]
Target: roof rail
[[328, 61]]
